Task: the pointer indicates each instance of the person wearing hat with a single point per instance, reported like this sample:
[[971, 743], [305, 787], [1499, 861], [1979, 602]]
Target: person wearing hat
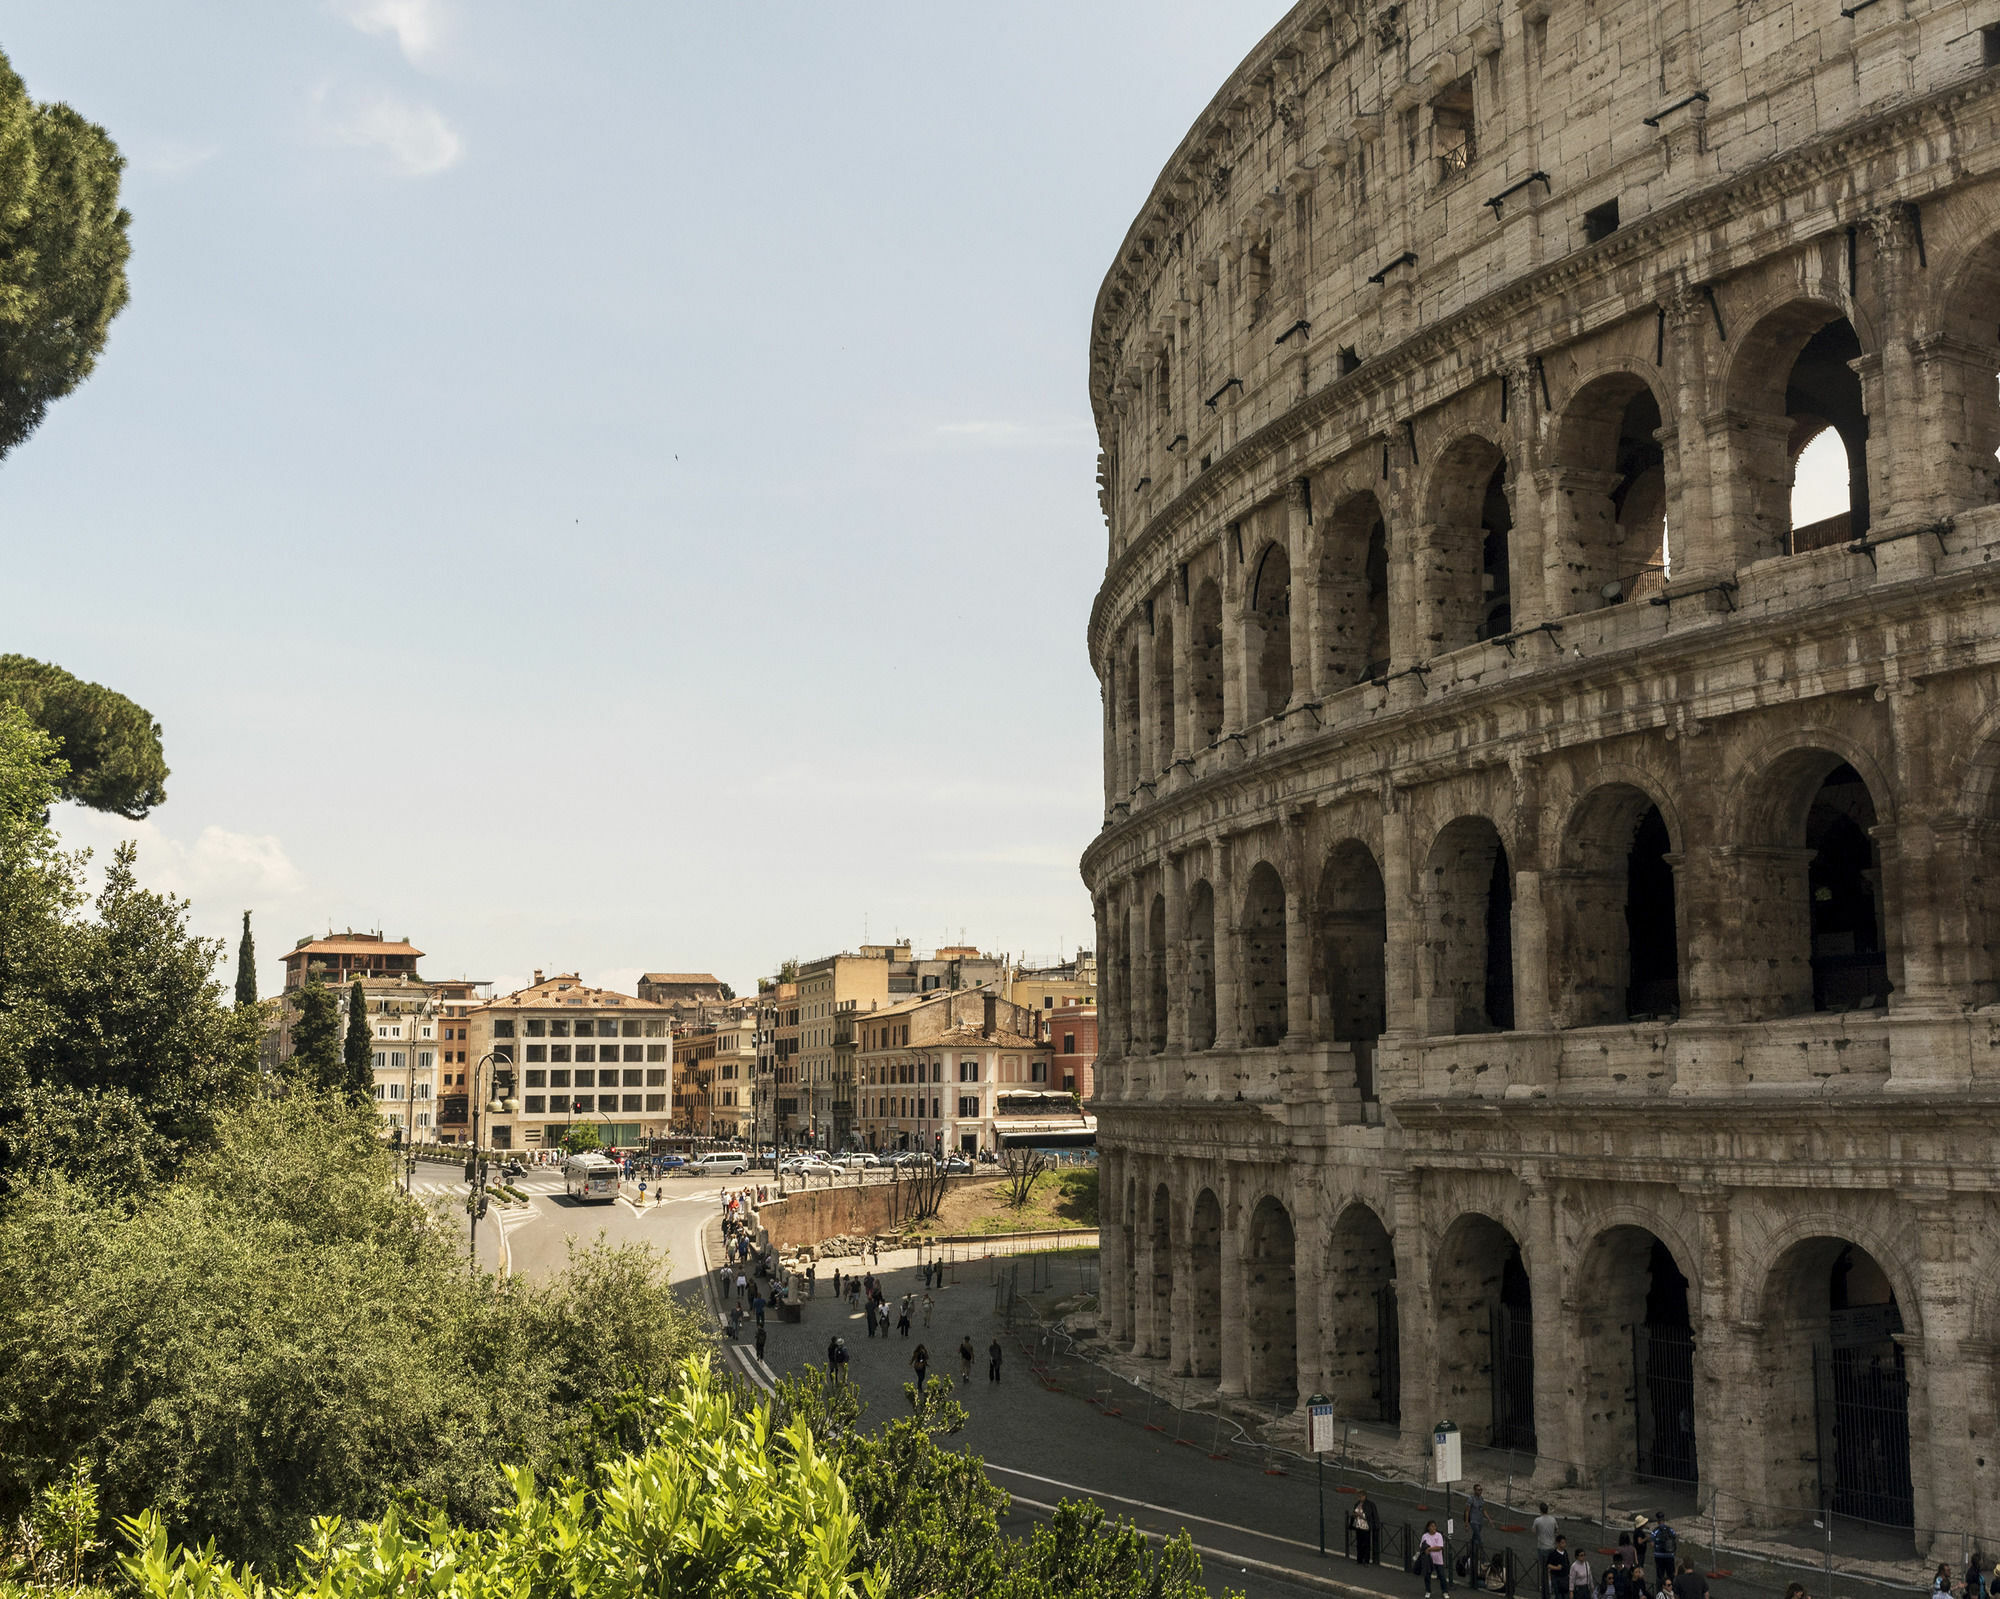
[[1642, 1542], [836, 1358]]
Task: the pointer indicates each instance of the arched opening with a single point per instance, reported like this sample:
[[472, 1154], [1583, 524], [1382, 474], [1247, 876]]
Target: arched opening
[[1121, 975], [1850, 962], [1263, 931], [1271, 1306], [1364, 1337], [1201, 966], [1128, 719], [1128, 1232], [1165, 736], [1485, 1335], [1350, 957], [1464, 592], [1205, 661], [1354, 594], [1793, 378], [1156, 974], [1161, 1284], [1635, 1354], [1610, 514], [1268, 633], [1616, 943], [1837, 1432], [1961, 415], [1466, 965], [1204, 1351]]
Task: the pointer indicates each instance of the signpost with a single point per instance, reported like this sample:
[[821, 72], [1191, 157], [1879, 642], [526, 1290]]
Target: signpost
[[1446, 1468], [1319, 1439]]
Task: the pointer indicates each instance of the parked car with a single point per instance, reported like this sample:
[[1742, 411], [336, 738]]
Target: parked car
[[957, 1163], [719, 1163], [672, 1162], [859, 1160]]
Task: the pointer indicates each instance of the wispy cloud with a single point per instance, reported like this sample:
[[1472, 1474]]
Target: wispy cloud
[[218, 867], [1065, 432], [414, 137], [170, 158], [419, 27]]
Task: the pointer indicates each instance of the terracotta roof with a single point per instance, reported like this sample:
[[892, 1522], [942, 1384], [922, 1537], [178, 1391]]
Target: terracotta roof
[[1001, 1039], [683, 979], [565, 990], [353, 946]]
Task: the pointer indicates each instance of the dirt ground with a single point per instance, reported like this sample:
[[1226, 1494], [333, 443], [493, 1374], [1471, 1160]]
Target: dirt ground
[[1066, 1197]]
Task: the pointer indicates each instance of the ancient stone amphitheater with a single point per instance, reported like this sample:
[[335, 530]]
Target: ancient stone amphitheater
[[1547, 898]]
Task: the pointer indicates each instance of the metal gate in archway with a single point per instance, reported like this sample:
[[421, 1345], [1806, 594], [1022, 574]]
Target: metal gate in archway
[[1388, 1356], [1513, 1335], [1861, 1404], [1663, 1379]]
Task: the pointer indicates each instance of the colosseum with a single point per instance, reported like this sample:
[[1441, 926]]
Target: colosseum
[[1549, 897]]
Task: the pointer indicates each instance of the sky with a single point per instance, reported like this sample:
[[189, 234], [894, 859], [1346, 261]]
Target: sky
[[608, 487]]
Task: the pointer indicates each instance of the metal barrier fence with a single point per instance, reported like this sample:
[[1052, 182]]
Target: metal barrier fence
[[1847, 1555]]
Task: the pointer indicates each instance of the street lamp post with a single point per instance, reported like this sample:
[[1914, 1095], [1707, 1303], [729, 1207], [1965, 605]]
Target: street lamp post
[[475, 1168]]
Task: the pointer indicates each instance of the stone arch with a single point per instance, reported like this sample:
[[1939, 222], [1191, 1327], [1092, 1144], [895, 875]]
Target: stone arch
[[1975, 781], [1271, 1303], [1635, 1354], [1363, 1359], [1350, 953], [1833, 1383], [1810, 886], [1607, 512], [1267, 634], [1352, 593], [1961, 395], [1615, 938], [1463, 583], [1262, 935], [1789, 378], [1131, 744], [1201, 965], [1156, 974], [1483, 1311], [1465, 967], [1205, 660], [1164, 733], [1160, 1285], [1204, 1300]]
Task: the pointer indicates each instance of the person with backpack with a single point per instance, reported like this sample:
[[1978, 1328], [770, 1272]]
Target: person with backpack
[[1666, 1545]]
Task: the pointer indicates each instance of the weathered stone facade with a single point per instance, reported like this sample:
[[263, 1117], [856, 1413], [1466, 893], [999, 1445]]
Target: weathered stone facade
[[1547, 902]]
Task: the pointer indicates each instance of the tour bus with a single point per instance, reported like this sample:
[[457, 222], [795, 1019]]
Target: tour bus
[[590, 1177]]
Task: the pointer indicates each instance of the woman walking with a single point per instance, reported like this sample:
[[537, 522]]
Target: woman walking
[[1430, 1558], [920, 1363]]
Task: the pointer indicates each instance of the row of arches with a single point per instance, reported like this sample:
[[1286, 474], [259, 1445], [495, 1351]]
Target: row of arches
[[1438, 540], [1830, 1406], [1806, 927]]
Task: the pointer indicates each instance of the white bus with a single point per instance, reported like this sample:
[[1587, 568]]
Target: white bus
[[590, 1177]]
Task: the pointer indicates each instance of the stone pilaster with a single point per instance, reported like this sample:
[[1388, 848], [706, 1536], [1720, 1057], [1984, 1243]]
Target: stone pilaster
[[1299, 549], [1234, 1243]]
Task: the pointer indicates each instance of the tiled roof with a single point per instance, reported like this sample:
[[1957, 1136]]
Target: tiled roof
[[353, 946], [683, 979], [565, 990]]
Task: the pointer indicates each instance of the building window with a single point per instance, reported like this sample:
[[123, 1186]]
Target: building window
[[559, 1052], [1038, 1071], [537, 1028], [635, 1052], [634, 1078], [656, 1102], [559, 1028], [537, 1052], [559, 1079], [656, 1077], [632, 1102], [656, 1029], [586, 1079], [537, 1104], [538, 1079], [656, 1052], [424, 1059], [381, 1060], [1069, 1043], [586, 1052], [585, 1104], [631, 1030], [968, 1070], [503, 1053]]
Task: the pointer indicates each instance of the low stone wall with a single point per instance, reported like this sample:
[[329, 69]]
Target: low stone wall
[[806, 1218]]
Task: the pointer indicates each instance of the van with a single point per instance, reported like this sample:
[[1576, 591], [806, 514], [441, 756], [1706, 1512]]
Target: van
[[719, 1163]]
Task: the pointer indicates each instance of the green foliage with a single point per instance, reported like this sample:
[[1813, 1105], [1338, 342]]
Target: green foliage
[[246, 966], [111, 746], [316, 1058], [116, 1052], [62, 267], [582, 1138], [54, 1540], [357, 1078], [715, 1506], [281, 1333], [1077, 1554]]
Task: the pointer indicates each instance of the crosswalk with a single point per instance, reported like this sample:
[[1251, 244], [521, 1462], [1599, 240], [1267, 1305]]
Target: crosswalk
[[458, 1190]]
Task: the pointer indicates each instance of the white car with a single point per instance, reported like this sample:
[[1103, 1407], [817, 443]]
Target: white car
[[719, 1163], [859, 1160], [802, 1166]]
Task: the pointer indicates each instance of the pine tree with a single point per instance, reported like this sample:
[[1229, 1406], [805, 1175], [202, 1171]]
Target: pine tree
[[357, 1081], [316, 1037], [246, 966]]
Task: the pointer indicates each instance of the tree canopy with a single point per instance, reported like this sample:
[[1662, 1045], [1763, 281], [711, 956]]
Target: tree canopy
[[110, 747], [63, 249]]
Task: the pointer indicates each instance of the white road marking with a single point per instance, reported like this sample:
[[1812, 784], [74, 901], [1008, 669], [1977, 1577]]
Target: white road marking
[[1241, 1562], [1164, 1510]]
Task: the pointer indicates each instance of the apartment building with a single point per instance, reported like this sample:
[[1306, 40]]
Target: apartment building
[[715, 1074], [792, 1105], [562, 1053], [1072, 1034], [1044, 988], [829, 987], [958, 1071]]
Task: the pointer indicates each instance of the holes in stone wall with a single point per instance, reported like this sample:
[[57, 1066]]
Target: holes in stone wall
[[1201, 966], [1270, 1322], [1161, 1283], [1205, 661], [1165, 713], [1130, 745], [1156, 974], [1615, 940], [1608, 524], [1268, 634], [1635, 1350], [1350, 957], [1464, 593], [1844, 881], [1204, 1300], [1362, 1357], [1824, 393], [1263, 944], [1467, 961], [1353, 593], [1484, 1329]]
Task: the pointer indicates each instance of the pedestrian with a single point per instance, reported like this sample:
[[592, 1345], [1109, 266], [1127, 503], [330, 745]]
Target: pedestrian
[[1363, 1524], [993, 1361], [836, 1359], [757, 1307], [1623, 1555], [1642, 1543], [1430, 1558], [903, 1323], [1475, 1524], [927, 1310], [760, 1338], [1666, 1545], [1941, 1582], [1582, 1585], [920, 1363], [1689, 1583], [1975, 1576], [838, 1293], [1545, 1540], [742, 1287], [1554, 1563], [965, 1358], [812, 1281], [868, 1310]]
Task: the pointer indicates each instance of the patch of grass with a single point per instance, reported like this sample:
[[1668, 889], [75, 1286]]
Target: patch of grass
[[1067, 1197]]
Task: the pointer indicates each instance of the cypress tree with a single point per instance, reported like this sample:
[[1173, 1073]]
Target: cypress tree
[[316, 1037], [357, 1081], [246, 966]]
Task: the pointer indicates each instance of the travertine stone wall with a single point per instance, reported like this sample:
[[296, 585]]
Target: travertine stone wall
[[1548, 899]]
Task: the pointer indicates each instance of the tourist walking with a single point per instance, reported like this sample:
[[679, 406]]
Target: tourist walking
[[760, 1340], [965, 1358], [1545, 1540], [1554, 1562], [993, 1361], [1582, 1585], [903, 1322], [920, 1363], [1688, 1582], [1430, 1558], [1364, 1524], [1666, 1546], [1475, 1524], [927, 1310]]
